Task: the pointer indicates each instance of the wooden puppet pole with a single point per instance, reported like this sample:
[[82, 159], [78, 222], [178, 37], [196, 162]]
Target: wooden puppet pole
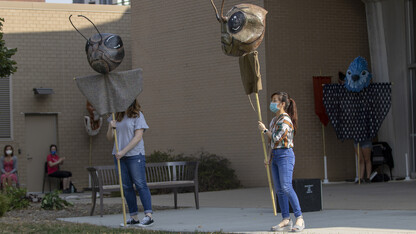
[[119, 177], [265, 157], [90, 151], [90, 162]]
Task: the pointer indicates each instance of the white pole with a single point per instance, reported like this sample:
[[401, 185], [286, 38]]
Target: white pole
[[325, 166], [407, 167], [356, 168], [326, 173]]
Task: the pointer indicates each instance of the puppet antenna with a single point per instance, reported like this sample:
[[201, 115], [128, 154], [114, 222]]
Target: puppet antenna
[[219, 18], [222, 10], [216, 11], [90, 22]]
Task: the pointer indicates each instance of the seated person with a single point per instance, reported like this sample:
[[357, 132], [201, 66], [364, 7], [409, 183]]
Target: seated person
[[53, 169], [8, 166]]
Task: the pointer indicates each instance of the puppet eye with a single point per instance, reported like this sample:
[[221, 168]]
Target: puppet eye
[[113, 42], [87, 45], [236, 22], [363, 73], [349, 72]]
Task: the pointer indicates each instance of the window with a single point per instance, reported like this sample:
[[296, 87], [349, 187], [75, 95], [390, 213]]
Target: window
[[5, 109], [122, 2]]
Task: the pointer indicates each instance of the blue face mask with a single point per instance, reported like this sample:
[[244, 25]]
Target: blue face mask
[[53, 152], [273, 107]]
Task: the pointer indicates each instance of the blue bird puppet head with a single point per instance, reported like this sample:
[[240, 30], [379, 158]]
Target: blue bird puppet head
[[358, 77]]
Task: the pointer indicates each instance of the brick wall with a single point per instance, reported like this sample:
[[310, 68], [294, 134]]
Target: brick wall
[[50, 54], [305, 39], [193, 97]]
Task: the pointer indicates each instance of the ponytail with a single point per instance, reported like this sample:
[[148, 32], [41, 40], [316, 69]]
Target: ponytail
[[290, 107], [292, 111]]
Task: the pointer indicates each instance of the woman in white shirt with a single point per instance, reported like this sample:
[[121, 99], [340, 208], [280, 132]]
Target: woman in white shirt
[[130, 126]]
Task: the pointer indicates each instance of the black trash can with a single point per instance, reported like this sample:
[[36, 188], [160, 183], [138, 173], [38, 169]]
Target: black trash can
[[309, 192]]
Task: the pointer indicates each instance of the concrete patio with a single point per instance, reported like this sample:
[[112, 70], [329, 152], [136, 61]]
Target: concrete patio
[[348, 208]]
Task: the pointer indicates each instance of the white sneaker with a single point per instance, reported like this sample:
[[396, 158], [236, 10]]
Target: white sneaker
[[129, 222], [147, 221], [281, 227]]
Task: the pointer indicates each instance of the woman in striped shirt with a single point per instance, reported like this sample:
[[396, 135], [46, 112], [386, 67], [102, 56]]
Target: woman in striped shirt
[[280, 133]]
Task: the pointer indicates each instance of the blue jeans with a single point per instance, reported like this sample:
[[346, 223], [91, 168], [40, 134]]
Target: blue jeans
[[364, 144], [133, 171], [283, 163]]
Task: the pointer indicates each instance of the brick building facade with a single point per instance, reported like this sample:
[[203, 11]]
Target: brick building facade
[[50, 54], [193, 98]]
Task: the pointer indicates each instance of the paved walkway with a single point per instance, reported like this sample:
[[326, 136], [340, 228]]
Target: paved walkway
[[348, 208]]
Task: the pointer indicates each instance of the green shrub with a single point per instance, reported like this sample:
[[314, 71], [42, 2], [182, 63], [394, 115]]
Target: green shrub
[[159, 156], [4, 204], [52, 201], [214, 172], [17, 198]]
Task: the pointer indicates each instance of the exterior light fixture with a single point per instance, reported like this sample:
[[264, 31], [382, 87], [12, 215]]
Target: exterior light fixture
[[43, 91]]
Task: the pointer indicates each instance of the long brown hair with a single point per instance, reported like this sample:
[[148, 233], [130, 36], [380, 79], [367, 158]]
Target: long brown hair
[[5, 148], [290, 107], [132, 112]]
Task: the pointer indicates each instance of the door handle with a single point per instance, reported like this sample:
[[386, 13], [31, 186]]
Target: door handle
[[28, 156]]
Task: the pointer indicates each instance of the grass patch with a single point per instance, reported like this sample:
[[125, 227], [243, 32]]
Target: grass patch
[[61, 227], [67, 228]]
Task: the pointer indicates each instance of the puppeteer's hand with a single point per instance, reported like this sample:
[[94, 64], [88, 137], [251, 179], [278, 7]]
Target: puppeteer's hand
[[262, 127], [267, 162], [113, 123], [120, 154]]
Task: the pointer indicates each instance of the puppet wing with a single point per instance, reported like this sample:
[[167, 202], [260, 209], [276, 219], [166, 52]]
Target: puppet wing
[[113, 92], [355, 115]]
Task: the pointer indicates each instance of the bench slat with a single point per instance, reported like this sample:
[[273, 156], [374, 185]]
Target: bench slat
[[171, 184], [111, 187], [158, 175]]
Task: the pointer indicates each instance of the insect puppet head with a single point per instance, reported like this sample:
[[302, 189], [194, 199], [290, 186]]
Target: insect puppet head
[[242, 28], [104, 51]]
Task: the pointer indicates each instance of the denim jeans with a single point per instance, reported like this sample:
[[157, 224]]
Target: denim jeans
[[282, 171], [364, 144], [133, 171]]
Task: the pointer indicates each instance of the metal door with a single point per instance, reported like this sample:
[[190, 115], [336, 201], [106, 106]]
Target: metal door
[[40, 134]]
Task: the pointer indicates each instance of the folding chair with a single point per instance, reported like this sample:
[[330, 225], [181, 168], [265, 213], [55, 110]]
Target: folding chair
[[46, 175]]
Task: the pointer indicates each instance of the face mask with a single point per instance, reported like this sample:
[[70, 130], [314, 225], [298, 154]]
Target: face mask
[[53, 152], [273, 107], [9, 152]]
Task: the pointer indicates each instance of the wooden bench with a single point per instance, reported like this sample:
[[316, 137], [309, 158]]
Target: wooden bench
[[170, 175]]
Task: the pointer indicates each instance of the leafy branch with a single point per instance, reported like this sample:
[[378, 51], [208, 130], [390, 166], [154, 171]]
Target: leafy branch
[[7, 64]]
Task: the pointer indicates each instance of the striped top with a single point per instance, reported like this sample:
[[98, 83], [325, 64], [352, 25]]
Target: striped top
[[282, 132]]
